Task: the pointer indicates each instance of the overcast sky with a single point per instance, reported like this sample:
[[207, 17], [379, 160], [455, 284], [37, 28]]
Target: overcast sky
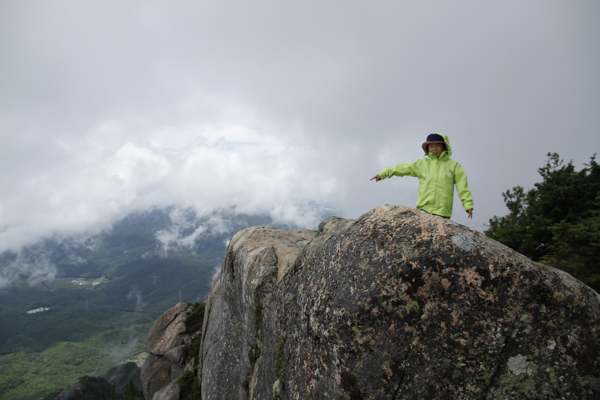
[[110, 107]]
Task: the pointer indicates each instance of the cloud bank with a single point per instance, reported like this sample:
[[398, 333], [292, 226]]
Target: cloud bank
[[110, 108]]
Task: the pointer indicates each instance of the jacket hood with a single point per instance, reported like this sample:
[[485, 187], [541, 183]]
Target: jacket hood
[[446, 140]]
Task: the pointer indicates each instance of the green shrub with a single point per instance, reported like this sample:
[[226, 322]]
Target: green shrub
[[189, 387], [131, 391], [193, 349], [193, 322]]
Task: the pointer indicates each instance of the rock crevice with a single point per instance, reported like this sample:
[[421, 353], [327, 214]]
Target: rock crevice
[[168, 359]]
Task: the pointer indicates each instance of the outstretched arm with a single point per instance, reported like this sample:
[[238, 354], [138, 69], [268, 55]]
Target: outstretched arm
[[401, 169]]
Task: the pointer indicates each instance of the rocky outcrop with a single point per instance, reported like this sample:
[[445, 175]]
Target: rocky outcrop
[[397, 304], [123, 379], [240, 339], [168, 359]]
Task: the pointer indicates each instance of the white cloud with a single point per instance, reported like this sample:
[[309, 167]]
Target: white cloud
[[121, 352], [216, 272], [100, 182], [136, 294], [175, 237], [137, 167], [108, 108], [36, 270]]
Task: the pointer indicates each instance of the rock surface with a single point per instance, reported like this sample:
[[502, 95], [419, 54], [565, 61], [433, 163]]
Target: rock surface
[[169, 392], [168, 359], [397, 304]]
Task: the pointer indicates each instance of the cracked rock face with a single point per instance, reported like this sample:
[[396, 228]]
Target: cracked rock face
[[257, 259], [396, 304], [167, 360]]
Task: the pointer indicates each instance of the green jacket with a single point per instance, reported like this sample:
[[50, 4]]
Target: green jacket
[[437, 177]]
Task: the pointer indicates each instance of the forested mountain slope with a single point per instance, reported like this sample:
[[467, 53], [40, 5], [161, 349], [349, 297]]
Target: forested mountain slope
[[107, 290]]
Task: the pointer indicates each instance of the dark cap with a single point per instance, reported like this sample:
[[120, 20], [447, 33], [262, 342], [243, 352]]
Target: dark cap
[[434, 137]]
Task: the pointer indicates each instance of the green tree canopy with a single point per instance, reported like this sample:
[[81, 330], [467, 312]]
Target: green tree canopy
[[558, 221]]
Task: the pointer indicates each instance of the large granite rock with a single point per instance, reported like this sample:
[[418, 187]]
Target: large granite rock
[[166, 332], [232, 351], [168, 360], [398, 304]]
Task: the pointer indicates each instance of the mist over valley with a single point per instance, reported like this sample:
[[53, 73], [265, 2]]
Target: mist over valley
[[101, 293]]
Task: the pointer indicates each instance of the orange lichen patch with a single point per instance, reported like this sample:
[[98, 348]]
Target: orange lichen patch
[[454, 318], [472, 388], [388, 370], [430, 307], [404, 287], [486, 295], [471, 277], [337, 377], [422, 292]]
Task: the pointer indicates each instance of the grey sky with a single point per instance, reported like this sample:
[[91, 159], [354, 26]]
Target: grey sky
[[111, 107]]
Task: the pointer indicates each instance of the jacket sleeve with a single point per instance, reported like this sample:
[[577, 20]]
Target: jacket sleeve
[[401, 169], [464, 193]]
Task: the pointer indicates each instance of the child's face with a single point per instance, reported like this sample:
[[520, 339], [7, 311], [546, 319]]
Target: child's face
[[436, 148]]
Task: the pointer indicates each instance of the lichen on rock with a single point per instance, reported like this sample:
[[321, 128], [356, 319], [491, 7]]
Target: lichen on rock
[[398, 304]]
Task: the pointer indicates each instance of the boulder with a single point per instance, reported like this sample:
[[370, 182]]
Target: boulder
[[256, 260], [166, 332], [176, 355], [396, 304], [168, 359], [169, 392], [156, 374]]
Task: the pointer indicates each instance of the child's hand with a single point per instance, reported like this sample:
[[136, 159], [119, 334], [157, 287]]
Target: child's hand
[[470, 212], [376, 177]]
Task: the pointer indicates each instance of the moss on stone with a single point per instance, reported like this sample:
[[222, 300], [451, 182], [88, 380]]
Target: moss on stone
[[258, 319], [193, 322], [253, 354], [280, 365], [189, 387], [193, 349]]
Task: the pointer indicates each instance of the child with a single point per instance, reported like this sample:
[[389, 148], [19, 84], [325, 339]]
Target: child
[[437, 176]]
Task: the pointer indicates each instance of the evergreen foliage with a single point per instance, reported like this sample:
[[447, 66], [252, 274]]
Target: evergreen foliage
[[193, 322], [193, 349], [558, 221], [188, 386], [90, 388], [131, 391], [98, 388]]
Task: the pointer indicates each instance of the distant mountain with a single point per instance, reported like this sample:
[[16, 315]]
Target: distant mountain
[[107, 290]]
